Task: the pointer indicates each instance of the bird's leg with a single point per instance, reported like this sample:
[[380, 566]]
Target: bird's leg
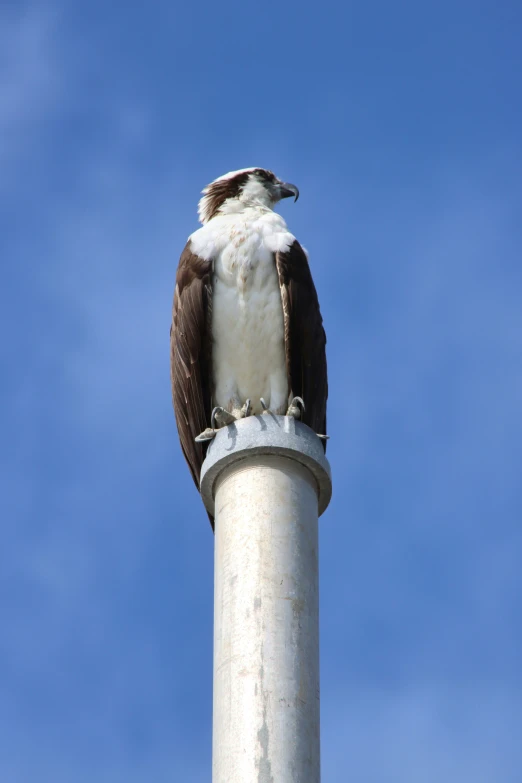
[[246, 409], [296, 408]]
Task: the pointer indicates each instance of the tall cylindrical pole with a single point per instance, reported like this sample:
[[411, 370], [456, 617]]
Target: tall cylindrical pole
[[266, 480]]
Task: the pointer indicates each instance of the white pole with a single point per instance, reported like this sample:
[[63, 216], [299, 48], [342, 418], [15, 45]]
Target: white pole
[[266, 479]]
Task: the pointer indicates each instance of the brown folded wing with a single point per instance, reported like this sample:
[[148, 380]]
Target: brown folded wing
[[190, 360], [305, 339]]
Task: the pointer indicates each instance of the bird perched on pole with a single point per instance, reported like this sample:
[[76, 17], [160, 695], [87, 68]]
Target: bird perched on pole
[[247, 334]]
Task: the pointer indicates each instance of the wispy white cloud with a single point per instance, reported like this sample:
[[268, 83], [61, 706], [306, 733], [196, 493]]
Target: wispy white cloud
[[92, 559], [110, 270], [92, 398]]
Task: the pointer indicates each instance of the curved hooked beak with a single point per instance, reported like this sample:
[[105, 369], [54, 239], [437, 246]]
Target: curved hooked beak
[[286, 190]]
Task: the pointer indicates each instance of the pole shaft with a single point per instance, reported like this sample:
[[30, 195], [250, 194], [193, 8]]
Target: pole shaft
[[266, 623]]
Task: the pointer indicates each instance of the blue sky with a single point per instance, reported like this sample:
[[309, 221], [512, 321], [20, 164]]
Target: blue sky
[[401, 125]]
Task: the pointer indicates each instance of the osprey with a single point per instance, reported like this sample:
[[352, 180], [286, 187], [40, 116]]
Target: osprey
[[247, 335]]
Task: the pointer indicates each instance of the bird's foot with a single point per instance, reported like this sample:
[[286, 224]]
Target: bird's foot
[[323, 437], [265, 407], [296, 408], [221, 417], [246, 410], [207, 434]]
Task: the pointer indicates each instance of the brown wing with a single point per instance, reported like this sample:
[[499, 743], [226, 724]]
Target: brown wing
[[305, 339], [190, 366]]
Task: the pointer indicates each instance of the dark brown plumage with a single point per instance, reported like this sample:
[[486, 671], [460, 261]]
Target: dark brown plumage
[[305, 338], [191, 331], [191, 345], [220, 191], [227, 188], [190, 358]]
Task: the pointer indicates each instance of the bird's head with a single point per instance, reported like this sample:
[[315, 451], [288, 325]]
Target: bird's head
[[238, 190]]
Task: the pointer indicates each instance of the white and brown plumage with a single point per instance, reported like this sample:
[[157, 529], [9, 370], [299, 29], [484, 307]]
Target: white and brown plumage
[[247, 333]]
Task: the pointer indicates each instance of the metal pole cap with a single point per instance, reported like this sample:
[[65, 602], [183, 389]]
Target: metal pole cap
[[266, 434]]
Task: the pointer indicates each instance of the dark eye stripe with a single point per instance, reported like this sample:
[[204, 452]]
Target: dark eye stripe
[[223, 189], [265, 175]]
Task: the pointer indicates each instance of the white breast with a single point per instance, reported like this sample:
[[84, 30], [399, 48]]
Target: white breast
[[248, 354]]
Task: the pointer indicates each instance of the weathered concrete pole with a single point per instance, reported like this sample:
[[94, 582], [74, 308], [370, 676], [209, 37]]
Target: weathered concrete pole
[[267, 480]]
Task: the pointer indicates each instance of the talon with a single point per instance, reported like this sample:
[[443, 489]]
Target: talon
[[207, 434], [221, 417], [246, 410], [265, 407], [296, 408], [323, 437]]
